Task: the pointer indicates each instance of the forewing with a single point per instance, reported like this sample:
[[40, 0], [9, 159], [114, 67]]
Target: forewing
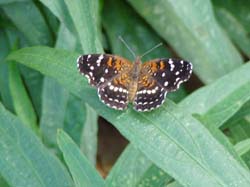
[[101, 68], [157, 78], [115, 93], [169, 73]]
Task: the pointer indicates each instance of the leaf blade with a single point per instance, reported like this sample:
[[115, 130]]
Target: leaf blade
[[20, 152], [82, 171]]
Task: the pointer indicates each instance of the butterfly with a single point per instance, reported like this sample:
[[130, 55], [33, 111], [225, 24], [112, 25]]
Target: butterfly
[[119, 81]]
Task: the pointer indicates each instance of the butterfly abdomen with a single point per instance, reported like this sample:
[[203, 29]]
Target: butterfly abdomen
[[134, 74]]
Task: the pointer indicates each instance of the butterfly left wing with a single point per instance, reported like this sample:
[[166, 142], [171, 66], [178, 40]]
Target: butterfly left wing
[[157, 78], [115, 93], [100, 68], [109, 73]]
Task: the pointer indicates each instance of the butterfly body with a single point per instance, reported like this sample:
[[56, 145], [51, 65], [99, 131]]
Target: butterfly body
[[144, 84], [134, 74]]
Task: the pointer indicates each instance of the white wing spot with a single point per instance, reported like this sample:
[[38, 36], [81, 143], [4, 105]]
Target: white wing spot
[[100, 59], [106, 70], [88, 78], [111, 87], [88, 57], [78, 59], [166, 83], [92, 67], [102, 79], [177, 73], [172, 67]]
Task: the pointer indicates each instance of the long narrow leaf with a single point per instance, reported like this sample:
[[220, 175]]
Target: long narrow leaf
[[134, 169], [83, 16], [35, 30], [21, 101], [24, 161], [83, 173]]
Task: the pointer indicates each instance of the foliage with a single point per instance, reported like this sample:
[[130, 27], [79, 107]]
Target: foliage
[[48, 112]]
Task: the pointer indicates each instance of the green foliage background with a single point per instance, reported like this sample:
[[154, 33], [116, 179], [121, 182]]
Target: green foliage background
[[48, 112]]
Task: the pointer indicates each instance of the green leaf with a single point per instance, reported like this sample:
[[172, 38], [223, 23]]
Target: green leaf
[[221, 138], [216, 103], [89, 137], [65, 40], [35, 30], [74, 119], [207, 97], [227, 107], [243, 147], [11, 1], [34, 82], [4, 74], [54, 102], [51, 19], [244, 111], [134, 169], [173, 140], [246, 158], [83, 173], [191, 29], [21, 101], [236, 31], [59, 9], [3, 182], [24, 160], [239, 130], [83, 13], [139, 36], [174, 184], [238, 9]]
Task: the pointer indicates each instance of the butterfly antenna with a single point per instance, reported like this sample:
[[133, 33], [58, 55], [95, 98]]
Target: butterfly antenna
[[123, 41], [153, 48]]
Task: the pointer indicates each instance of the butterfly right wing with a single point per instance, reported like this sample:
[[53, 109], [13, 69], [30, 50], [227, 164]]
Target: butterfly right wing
[[109, 73], [157, 78]]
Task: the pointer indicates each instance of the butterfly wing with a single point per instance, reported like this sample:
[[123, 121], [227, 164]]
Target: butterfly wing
[[108, 73], [115, 93], [157, 78]]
